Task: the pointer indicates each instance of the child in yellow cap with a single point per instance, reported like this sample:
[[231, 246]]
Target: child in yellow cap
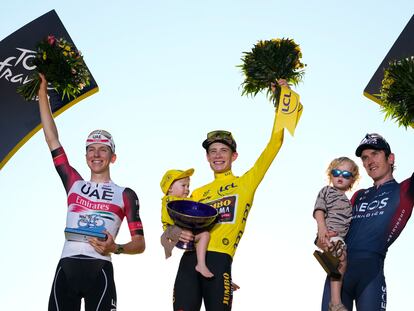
[[175, 184]]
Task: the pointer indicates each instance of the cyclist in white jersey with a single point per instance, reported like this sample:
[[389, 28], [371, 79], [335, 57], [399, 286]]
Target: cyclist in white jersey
[[85, 268]]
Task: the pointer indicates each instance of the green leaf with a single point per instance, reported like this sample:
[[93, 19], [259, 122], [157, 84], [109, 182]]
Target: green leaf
[[269, 61], [397, 91]]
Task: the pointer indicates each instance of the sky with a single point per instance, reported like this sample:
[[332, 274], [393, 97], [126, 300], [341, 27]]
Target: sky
[[167, 74]]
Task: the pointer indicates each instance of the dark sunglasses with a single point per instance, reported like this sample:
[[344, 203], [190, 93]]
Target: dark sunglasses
[[345, 174]]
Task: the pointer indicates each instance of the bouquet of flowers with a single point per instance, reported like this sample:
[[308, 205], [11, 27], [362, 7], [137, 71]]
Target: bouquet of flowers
[[397, 91], [269, 61], [63, 67]]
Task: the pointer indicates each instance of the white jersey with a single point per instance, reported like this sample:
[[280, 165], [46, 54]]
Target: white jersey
[[96, 206]]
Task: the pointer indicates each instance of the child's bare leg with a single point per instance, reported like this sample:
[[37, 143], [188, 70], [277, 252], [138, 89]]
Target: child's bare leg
[[336, 287], [202, 240]]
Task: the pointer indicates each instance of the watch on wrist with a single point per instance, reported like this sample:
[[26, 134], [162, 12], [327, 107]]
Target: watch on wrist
[[119, 249]]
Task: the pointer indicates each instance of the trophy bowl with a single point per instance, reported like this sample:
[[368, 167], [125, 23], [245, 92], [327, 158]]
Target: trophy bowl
[[191, 215]]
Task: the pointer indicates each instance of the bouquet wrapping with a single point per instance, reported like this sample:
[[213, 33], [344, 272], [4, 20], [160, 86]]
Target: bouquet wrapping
[[63, 67]]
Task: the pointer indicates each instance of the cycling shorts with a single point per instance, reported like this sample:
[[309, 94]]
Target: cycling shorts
[[191, 287], [363, 282], [85, 277]]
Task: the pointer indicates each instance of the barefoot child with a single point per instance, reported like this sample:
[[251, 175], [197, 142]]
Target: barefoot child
[[332, 213], [175, 184]]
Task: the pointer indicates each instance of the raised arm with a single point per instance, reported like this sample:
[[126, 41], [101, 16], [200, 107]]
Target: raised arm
[[46, 117], [262, 164]]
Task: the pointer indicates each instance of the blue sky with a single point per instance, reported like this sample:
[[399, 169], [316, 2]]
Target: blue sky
[[167, 75]]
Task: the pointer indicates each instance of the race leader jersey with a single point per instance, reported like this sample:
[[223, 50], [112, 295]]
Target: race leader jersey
[[91, 204], [233, 197], [379, 215]]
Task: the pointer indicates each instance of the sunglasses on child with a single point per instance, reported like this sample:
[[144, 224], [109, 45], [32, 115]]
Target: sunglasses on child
[[345, 174]]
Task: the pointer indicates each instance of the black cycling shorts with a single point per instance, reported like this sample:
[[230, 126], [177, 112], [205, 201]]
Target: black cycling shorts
[[83, 277], [191, 287], [363, 282]]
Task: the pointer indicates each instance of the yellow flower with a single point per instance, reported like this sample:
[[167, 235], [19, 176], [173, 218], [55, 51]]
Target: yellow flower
[[44, 56], [65, 53], [67, 48]]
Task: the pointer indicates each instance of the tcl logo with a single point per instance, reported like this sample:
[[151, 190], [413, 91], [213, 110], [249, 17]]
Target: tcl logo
[[376, 204]]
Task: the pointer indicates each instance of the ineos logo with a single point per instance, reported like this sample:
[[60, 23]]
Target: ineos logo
[[373, 205]]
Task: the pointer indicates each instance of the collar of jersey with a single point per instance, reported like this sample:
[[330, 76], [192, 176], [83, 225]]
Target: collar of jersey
[[96, 184], [225, 175], [391, 181]]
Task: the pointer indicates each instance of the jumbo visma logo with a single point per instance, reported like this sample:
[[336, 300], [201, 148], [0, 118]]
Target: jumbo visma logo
[[227, 289]]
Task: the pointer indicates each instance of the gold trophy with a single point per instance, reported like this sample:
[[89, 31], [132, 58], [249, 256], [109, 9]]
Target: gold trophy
[[329, 260]]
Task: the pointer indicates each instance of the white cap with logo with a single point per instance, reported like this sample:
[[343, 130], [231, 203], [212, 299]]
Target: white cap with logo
[[101, 137]]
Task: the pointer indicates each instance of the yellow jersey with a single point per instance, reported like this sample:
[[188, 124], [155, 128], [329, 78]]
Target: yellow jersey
[[233, 197]]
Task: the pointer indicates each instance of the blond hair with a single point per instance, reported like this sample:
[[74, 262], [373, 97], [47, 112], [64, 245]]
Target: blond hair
[[338, 161]]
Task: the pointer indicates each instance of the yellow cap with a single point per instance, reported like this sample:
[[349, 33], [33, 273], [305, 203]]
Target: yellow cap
[[173, 175]]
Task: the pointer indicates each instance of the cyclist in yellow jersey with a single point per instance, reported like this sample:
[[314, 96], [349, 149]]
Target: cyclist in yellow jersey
[[233, 197]]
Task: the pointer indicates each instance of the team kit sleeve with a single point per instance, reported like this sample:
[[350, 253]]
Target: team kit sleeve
[[262, 164], [411, 187], [132, 212], [67, 173], [404, 210], [355, 196]]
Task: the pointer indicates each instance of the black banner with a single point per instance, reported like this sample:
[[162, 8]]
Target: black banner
[[403, 47], [19, 119]]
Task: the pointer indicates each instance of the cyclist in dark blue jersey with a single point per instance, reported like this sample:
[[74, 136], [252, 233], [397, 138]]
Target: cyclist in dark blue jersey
[[379, 214]]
